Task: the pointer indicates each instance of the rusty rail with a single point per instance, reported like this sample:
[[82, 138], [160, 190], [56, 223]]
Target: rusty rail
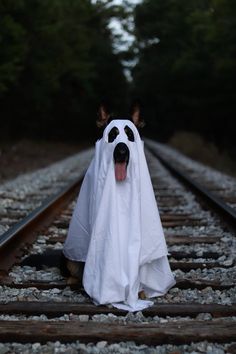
[[219, 205], [23, 233]]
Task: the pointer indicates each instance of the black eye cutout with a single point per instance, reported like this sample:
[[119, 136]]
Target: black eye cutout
[[129, 133], [114, 132]]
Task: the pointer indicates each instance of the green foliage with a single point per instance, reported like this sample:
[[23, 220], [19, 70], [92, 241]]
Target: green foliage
[[56, 63], [186, 79], [13, 46]]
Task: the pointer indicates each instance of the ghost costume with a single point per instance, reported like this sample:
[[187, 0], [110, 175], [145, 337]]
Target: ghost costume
[[116, 229]]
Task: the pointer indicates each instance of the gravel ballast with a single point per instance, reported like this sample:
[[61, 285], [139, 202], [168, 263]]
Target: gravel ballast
[[185, 203]]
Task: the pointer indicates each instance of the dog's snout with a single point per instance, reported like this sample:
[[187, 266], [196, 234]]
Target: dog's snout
[[121, 153]]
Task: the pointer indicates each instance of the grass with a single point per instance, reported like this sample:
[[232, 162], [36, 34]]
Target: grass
[[197, 148]]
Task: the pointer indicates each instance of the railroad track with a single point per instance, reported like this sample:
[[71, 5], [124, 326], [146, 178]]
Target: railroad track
[[37, 304], [208, 183], [24, 194]]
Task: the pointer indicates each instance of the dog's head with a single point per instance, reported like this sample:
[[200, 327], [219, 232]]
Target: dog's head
[[119, 135]]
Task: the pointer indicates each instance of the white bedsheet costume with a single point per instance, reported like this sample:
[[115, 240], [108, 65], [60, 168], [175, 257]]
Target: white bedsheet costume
[[116, 229]]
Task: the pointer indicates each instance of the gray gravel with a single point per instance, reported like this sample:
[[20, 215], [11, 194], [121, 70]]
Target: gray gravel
[[200, 172], [225, 248], [25, 193], [103, 347], [185, 203], [130, 318], [205, 296], [23, 274], [33, 294]]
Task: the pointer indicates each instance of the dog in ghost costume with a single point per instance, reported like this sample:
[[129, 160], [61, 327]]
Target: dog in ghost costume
[[115, 233]]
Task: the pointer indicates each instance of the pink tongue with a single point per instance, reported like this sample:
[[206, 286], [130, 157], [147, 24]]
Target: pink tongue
[[120, 171]]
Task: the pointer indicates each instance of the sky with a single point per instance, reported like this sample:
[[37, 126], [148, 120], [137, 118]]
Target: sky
[[125, 38], [116, 27]]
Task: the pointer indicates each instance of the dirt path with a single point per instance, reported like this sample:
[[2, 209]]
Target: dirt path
[[24, 156]]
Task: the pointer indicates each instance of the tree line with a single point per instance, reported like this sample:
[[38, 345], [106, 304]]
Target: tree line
[[186, 66], [57, 62]]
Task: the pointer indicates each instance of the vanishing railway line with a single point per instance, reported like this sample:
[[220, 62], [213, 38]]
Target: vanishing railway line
[[221, 194], [37, 304]]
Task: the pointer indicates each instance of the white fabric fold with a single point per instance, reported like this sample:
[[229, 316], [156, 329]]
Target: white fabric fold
[[116, 229]]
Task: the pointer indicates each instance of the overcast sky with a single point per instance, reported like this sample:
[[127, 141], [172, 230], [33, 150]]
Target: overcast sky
[[117, 28], [126, 38]]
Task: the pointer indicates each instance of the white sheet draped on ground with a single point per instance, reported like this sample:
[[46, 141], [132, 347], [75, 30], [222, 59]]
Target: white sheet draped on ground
[[116, 229]]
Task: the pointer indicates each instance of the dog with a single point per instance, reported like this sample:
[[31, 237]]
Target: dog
[[115, 245], [121, 156], [73, 270]]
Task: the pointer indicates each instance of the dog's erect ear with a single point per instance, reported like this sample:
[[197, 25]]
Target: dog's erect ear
[[103, 115], [136, 115]]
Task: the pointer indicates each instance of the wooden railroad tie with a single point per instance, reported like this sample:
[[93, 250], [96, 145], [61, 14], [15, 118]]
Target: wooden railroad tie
[[53, 309], [180, 284], [181, 332]]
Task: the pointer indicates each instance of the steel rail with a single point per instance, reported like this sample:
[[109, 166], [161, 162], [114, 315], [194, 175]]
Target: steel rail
[[180, 332], [215, 201], [23, 233]]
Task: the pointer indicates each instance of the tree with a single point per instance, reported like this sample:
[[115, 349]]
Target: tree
[[186, 65], [13, 45], [57, 65]]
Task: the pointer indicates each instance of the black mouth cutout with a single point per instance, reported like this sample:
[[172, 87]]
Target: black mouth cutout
[[121, 153]]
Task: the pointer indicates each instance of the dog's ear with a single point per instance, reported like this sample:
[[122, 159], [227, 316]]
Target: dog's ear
[[103, 115], [135, 113]]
